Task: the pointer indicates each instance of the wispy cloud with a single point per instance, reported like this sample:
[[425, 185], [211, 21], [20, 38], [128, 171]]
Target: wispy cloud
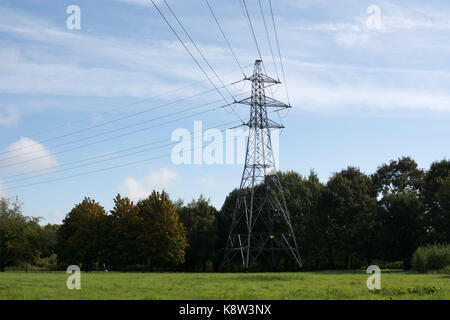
[[124, 67], [141, 3], [393, 18], [3, 192], [9, 117], [322, 97]]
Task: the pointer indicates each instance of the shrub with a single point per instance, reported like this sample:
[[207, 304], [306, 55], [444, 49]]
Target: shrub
[[431, 258], [446, 270], [419, 260]]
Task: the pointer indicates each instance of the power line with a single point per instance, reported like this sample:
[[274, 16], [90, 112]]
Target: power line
[[110, 131], [109, 122], [102, 156], [198, 49], [225, 38], [128, 133], [252, 31], [105, 169], [279, 51], [251, 28], [268, 39], [109, 159], [187, 49], [120, 107]]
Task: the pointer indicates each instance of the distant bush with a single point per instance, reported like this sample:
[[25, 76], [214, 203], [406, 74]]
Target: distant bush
[[446, 270], [432, 258], [387, 264]]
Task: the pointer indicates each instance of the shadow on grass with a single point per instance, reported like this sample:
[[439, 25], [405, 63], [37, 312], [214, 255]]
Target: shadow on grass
[[356, 272], [262, 277]]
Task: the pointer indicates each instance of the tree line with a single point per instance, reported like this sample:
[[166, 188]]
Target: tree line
[[352, 220]]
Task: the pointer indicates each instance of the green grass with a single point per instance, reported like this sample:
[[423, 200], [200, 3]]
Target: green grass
[[168, 286]]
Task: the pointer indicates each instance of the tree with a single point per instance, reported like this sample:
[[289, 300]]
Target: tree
[[224, 220], [436, 198], [47, 240], [81, 237], [400, 208], [124, 227], [163, 237], [443, 197], [200, 220], [399, 176], [18, 235], [401, 231], [303, 195], [348, 208]]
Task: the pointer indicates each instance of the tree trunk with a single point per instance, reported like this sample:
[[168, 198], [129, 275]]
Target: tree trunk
[[2, 268], [331, 257], [407, 263], [204, 265], [349, 262]]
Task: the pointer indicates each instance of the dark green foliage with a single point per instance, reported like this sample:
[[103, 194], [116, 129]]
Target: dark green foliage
[[348, 210], [124, 228], [437, 201], [351, 221], [200, 220], [81, 238], [402, 229], [163, 237], [401, 208], [223, 225], [47, 240], [431, 258], [18, 235], [303, 196]]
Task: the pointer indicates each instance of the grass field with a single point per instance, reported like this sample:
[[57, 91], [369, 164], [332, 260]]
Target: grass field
[[238, 286]]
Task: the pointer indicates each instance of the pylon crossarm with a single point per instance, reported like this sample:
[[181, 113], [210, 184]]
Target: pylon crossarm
[[262, 78], [268, 102]]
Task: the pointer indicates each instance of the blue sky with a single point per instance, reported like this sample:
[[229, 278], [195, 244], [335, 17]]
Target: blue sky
[[360, 96]]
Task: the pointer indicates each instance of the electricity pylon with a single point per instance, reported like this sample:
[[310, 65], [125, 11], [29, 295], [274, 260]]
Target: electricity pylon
[[261, 225]]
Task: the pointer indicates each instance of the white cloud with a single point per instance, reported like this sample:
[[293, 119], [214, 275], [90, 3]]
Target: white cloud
[[57, 214], [9, 117], [157, 180], [36, 155]]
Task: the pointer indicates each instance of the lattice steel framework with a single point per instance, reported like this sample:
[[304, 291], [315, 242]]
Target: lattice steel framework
[[261, 225]]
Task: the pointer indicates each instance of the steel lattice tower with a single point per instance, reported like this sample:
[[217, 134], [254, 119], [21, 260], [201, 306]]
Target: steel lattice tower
[[261, 225]]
